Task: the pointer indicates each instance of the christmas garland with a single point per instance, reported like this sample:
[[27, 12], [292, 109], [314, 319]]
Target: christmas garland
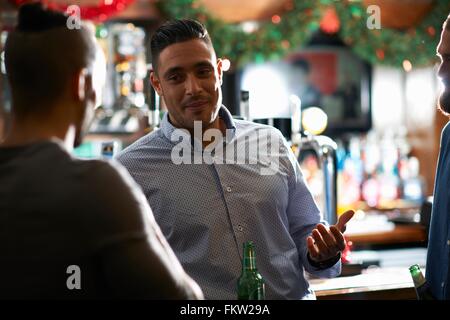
[[389, 46], [100, 12], [273, 39]]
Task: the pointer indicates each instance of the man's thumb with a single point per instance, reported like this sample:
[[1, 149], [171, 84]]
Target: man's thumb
[[343, 219]]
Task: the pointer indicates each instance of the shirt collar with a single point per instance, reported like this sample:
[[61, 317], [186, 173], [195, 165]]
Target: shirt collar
[[167, 128]]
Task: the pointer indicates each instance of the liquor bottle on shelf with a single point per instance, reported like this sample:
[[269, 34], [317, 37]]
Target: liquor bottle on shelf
[[413, 184], [245, 105], [250, 283], [420, 284]]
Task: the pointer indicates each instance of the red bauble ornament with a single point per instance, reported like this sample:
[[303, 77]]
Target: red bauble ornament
[[431, 31], [380, 54], [330, 22], [100, 12]]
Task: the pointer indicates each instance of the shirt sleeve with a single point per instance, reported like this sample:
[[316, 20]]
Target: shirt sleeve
[[135, 258], [303, 214]]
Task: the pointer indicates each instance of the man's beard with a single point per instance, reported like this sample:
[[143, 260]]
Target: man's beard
[[444, 103]]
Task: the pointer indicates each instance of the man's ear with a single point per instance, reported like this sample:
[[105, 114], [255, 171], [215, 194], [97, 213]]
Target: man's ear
[[156, 84], [79, 84], [219, 70]]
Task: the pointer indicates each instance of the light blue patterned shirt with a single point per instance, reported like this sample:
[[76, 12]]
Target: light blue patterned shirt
[[207, 211]]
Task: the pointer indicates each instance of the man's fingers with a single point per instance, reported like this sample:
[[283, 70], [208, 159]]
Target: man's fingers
[[343, 219], [327, 236], [340, 240], [324, 242], [313, 251], [320, 243]]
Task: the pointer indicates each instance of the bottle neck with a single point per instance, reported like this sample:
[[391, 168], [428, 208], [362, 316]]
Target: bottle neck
[[249, 262], [418, 277]]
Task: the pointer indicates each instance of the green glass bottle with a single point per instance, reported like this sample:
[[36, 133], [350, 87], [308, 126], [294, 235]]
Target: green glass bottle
[[250, 283], [420, 284]]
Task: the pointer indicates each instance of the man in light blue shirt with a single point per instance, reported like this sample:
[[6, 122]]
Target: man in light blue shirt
[[438, 267], [214, 182]]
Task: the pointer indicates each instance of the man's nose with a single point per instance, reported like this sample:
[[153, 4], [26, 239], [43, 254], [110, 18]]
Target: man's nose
[[193, 86]]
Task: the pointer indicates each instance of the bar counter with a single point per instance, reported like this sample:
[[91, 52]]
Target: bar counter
[[393, 283], [385, 275]]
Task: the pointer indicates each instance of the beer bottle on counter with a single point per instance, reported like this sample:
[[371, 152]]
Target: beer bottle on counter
[[250, 283], [420, 284]]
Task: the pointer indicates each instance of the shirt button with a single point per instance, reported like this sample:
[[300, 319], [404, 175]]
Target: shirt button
[[229, 189], [448, 242], [442, 284], [240, 228]]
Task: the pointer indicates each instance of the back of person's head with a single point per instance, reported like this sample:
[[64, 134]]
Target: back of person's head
[[42, 55], [175, 31]]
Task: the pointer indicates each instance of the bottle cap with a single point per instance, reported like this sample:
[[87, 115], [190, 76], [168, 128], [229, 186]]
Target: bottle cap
[[414, 267]]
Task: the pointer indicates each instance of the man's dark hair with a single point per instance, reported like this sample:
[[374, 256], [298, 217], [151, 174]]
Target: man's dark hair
[[175, 31], [41, 55]]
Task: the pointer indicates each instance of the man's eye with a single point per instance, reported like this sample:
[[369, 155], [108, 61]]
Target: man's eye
[[174, 78], [205, 72]]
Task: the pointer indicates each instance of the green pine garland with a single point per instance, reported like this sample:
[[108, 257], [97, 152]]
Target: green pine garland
[[273, 41], [389, 46], [270, 42]]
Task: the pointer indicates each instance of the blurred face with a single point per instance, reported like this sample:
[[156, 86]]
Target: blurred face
[[443, 51], [188, 79]]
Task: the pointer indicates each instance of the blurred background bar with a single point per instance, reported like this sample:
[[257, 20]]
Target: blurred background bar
[[356, 103]]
